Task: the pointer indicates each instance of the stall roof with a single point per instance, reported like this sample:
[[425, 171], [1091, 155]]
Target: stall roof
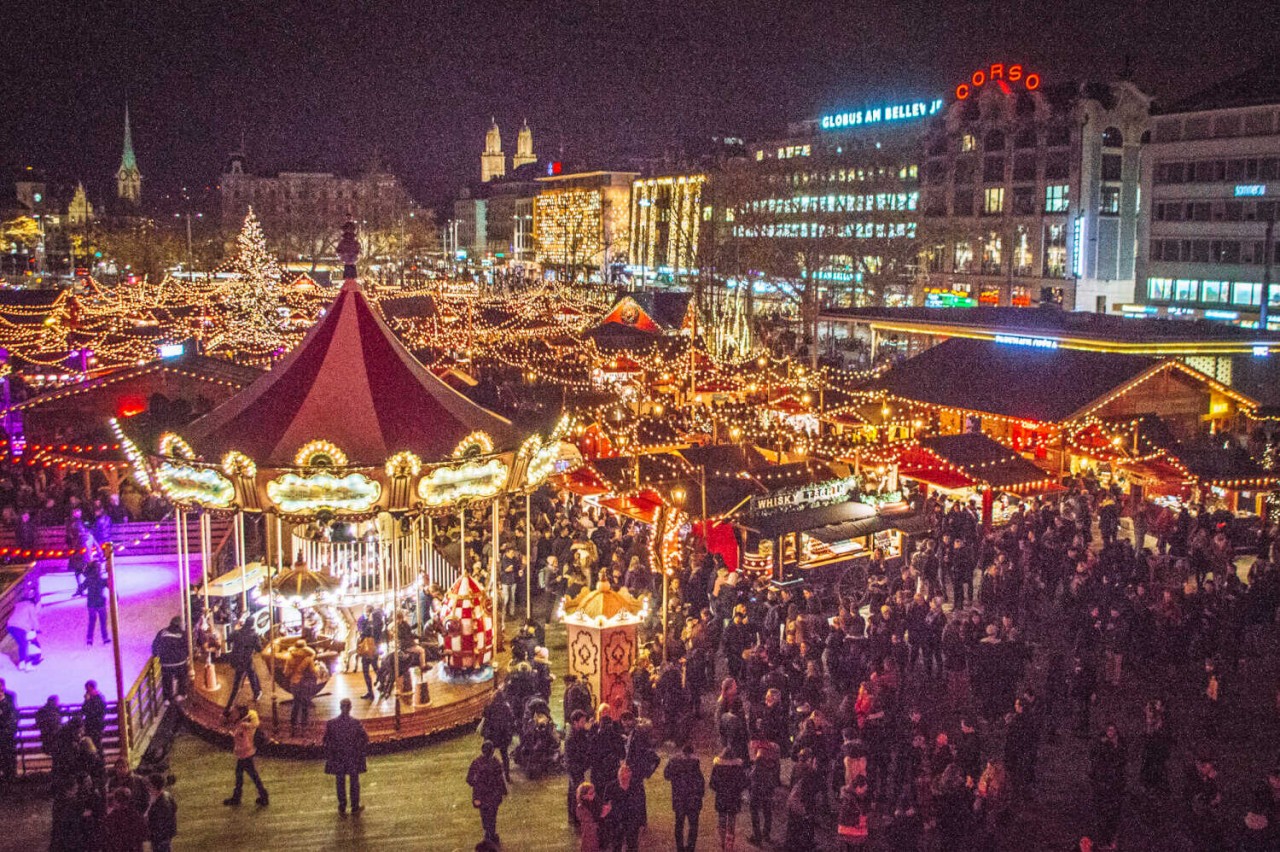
[[724, 458], [805, 520], [1214, 463], [985, 460], [1045, 385]]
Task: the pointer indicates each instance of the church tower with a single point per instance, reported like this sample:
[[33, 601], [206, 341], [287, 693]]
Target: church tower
[[128, 178], [524, 147], [493, 164]]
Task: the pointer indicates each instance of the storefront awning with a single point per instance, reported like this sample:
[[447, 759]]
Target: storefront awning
[[911, 524]]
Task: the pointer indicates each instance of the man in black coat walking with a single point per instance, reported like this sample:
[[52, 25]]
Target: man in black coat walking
[[244, 646], [577, 757], [687, 789], [95, 601], [488, 789], [346, 744], [170, 648]]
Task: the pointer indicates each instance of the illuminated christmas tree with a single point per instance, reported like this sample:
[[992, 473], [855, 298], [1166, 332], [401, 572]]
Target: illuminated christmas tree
[[252, 298]]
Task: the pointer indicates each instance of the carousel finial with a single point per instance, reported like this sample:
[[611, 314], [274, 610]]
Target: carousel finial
[[348, 250]]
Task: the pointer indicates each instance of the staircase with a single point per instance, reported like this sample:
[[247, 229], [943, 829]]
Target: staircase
[[32, 759]]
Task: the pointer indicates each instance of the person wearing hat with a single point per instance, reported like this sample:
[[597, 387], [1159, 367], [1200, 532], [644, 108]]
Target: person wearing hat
[[170, 648]]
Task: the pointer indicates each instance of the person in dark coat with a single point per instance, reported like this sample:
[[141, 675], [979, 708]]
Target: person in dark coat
[[626, 798], [728, 782], [123, 829], [66, 831], [346, 744], [162, 815], [688, 786], [577, 757], [8, 734], [48, 722], [94, 711], [1107, 778], [95, 601], [170, 648], [488, 789], [608, 748], [244, 647], [498, 726]]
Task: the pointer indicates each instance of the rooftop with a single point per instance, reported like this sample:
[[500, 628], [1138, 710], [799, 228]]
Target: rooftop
[[1069, 329], [1257, 86]]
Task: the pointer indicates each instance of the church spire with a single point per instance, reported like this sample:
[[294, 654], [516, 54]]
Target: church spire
[[493, 163], [524, 147], [128, 177]]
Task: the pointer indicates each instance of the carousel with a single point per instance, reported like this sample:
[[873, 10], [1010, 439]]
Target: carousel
[[337, 468]]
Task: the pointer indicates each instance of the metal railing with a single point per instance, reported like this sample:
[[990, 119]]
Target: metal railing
[[143, 706]]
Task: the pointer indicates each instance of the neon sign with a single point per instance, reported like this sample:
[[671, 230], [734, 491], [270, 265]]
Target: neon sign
[[1250, 190], [1033, 342], [1004, 75], [881, 114]]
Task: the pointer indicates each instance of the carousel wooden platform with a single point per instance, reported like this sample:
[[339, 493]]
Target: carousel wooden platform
[[452, 706]]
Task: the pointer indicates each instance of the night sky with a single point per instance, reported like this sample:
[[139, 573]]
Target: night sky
[[325, 85]]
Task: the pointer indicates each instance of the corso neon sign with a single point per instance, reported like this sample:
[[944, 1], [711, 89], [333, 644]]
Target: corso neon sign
[[1005, 75]]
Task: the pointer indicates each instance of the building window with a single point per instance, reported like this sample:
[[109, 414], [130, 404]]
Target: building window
[[1055, 251], [1225, 251], [994, 141], [993, 201], [938, 147], [1112, 138], [1246, 294], [1058, 135], [1109, 204], [1200, 251], [1167, 173], [993, 170], [1215, 292], [1112, 165], [1159, 289], [963, 257], [968, 142], [1022, 250], [1186, 290], [1024, 200], [935, 257], [1056, 166], [936, 172], [992, 254], [962, 202], [965, 169], [1026, 138], [1024, 167], [1056, 198]]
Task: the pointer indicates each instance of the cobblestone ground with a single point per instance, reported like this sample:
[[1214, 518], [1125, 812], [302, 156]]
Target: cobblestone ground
[[417, 798]]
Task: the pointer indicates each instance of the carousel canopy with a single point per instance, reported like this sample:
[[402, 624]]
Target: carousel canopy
[[604, 604], [302, 582], [353, 383]]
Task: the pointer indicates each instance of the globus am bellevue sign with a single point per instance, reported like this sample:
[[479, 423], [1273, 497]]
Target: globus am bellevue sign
[[881, 114], [1006, 76]]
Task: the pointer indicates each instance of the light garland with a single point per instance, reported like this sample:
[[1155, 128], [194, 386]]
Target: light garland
[[320, 453]]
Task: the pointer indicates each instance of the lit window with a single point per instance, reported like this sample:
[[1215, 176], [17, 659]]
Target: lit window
[[759, 155], [728, 214], [993, 200], [1159, 289], [968, 142], [1056, 198], [1186, 290], [1215, 292], [963, 257], [1245, 293], [992, 254], [1110, 202]]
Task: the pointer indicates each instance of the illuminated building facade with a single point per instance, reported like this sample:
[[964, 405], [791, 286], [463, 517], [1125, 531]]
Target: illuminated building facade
[[1030, 193], [495, 218], [1210, 197], [666, 221], [835, 201], [582, 222]]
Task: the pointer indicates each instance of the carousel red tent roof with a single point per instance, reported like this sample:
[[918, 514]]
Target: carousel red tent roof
[[352, 382]]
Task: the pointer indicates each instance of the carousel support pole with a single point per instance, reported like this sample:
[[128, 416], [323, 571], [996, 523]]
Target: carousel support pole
[[184, 585], [205, 536], [395, 626], [462, 539], [429, 556], [122, 709], [271, 627], [528, 558], [239, 542], [493, 576]]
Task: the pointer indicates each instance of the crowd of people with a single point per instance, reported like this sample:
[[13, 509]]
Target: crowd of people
[[917, 716]]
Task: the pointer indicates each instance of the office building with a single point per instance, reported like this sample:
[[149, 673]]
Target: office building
[[1030, 193], [1210, 187], [582, 222]]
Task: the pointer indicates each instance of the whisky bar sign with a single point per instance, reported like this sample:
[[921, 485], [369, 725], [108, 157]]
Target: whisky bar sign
[[812, 496]]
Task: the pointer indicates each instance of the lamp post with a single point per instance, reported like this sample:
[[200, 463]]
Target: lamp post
[[113, 601]]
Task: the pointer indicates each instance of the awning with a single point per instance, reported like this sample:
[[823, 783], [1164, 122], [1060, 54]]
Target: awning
[[804, 520], [911, 524]]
